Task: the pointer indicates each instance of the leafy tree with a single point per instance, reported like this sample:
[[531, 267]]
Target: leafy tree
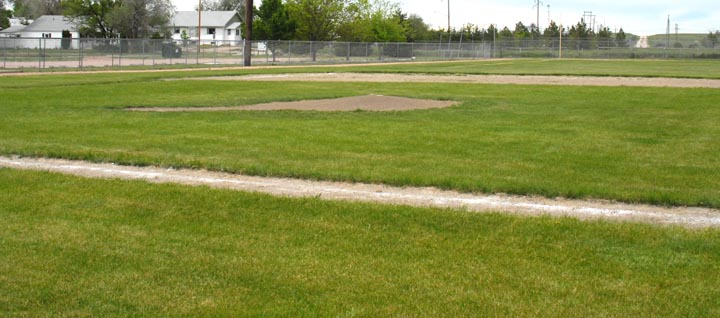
[[317, 20], [273, 22], [126, 18], [223, 5], [135, 19], [33, 9], [4, 15], [416, 29], [92, 16]]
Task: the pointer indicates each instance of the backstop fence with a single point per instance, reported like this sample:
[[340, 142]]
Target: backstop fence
[[44, 53]]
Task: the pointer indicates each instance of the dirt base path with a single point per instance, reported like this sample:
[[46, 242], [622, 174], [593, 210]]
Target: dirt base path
[[422, 197], [477, 79]]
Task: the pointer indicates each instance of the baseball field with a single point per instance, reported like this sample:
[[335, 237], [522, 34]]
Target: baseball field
[[630, 133]]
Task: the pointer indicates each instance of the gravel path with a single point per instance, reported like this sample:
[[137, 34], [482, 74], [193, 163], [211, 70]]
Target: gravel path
[[424, 197], [477, 79]]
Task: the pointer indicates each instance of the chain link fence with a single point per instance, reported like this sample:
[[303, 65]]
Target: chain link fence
[[44, 53]]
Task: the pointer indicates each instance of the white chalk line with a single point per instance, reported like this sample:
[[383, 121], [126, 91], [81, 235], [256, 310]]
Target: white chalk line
[[697, 217]]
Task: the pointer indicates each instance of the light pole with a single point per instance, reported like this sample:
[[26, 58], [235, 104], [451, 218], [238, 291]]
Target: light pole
[[448, 16], [197, 56]]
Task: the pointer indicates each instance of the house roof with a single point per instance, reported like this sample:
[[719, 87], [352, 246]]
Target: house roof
[[209, 18], [50, 23], [235, 25], [13, 29]]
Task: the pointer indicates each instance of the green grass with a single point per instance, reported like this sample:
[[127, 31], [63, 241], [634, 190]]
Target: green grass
[[72, 247], [651, 145]]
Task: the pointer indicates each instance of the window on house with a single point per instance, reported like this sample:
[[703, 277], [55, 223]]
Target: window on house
[[177, 31], [229, 32], [211, 31], [237, 31], [47, 35]]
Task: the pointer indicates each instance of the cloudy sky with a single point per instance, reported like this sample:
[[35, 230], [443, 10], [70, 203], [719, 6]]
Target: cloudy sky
[[642, 17]]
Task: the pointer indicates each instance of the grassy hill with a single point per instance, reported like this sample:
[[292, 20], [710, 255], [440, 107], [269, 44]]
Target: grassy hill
[[686, 39]]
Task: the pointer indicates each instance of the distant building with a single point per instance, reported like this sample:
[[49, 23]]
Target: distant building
[[12, 31], [218, 27], [45, 32]]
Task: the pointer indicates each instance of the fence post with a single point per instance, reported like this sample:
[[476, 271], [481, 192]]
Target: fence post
[[40, 54], [80, 54]]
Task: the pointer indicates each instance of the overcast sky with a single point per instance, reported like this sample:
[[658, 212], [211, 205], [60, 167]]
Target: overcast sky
[[641, 17]]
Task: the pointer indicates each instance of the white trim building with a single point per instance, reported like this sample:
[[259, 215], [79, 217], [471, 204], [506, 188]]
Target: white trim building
[[218, 27], [45, 32]]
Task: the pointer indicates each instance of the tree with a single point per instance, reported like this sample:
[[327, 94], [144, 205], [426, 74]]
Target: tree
[[4, 16], [521, 31], [317, 20], [551, 34], [604, 37], [580, 35], [712, 39], [33, 9], [621, 38], [223, 5], [124, 18], [505, 34], [273, 22], [91, 16], [416, 29], [135, 19]]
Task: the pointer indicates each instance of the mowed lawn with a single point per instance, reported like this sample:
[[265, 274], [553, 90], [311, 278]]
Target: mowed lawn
[[651, 145], [73, 247]]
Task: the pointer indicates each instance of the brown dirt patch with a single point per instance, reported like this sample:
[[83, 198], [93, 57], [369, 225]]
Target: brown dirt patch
[[476, 79], [367, 103]]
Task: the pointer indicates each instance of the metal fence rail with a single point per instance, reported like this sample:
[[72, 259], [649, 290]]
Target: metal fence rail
[[43, 53]]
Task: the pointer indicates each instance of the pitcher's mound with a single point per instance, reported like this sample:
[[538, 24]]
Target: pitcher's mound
[[367, 102]]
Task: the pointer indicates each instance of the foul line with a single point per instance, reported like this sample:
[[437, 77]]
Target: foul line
[[413, 196]]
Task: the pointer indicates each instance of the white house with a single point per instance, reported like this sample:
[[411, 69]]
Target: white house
[[217, 27], [45, 32], [12, 31]]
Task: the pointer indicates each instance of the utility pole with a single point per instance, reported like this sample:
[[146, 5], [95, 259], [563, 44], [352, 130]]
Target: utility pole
[[448, 16], [667, 33], [548, 6], [538, 3], [247, 50], [677, 28], [197, 56]]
